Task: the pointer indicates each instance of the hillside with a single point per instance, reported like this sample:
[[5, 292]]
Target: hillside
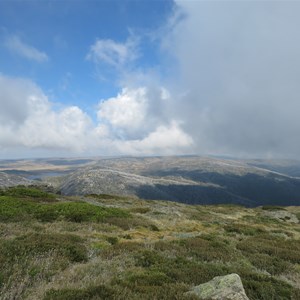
[[192, 180], [110, 247], [7, 180]]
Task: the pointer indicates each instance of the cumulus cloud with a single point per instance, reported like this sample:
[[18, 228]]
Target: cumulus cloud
[[126, 124], [113, 53], [28, 119], [135, 112], [126, 111], [239, 68], [133, 118], [164, 140], [16, 45]]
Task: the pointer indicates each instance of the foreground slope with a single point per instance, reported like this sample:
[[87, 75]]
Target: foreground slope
[[109, 247]]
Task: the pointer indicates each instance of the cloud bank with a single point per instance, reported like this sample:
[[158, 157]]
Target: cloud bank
[[239, 67], [125, 125]]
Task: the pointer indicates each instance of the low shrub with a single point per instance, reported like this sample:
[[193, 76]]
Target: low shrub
[[262, 287], [67, 245], [145, 278], [208, 250], [78, 212], [14, 210], [147, 258], [271, 264], [27, 192], [272, 207], [183, 270], [105, 196], [93, 292], [274, 246], [127, 223], [112, 240], [244, 229], [140, 210]]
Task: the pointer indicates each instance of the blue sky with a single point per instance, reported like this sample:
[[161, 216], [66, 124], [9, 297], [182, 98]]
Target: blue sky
[[149, 77], [65, 30]]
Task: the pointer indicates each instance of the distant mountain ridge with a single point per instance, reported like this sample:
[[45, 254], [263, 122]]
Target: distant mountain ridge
[[192, 179]]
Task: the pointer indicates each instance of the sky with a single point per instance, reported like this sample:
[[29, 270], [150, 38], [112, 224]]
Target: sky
[[149, 77]]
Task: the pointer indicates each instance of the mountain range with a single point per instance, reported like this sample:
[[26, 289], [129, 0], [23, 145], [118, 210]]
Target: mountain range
[[186, 179]]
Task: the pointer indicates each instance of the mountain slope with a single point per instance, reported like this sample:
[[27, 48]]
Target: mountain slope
[[7, 180], [193, 180]]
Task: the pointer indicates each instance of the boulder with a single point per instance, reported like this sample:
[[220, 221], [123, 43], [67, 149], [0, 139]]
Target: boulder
[[227, 287]]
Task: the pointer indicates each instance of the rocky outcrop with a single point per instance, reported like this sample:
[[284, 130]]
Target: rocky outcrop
[[227, 287], [282, 215], [7, 180]]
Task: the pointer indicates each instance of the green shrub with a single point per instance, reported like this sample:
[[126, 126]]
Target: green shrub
[[153, 227], [147, 258], [262, 287], [271, 264], [272, 207], [14, 210], [93, 292], [243, 229], [127, 223], [208, 250], [296, 294], [146, 278], [27, 192], [78, 212], [69, 246], [288, 250], [105, 196], [181, 269], [112, 240], [140, 210]]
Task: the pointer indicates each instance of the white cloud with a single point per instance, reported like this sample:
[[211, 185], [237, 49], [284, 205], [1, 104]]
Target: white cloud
[[113, 53], [36, 124], [165, 140], [126, 111], [127, 124], [15, 44], [136, 112], [137, 122]]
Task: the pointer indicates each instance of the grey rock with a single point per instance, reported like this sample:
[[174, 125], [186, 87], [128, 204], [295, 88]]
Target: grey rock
[[7, 180], [227, 287]]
